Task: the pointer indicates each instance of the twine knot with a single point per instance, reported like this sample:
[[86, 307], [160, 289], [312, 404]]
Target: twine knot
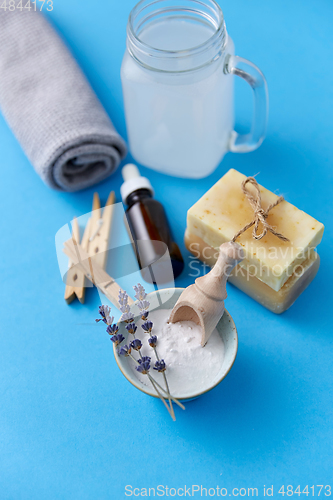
[[260, 215]]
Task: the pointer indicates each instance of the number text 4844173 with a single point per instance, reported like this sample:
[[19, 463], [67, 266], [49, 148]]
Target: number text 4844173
[[23, 5]]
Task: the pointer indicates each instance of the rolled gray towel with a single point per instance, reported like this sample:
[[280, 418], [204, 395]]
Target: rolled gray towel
[[50, 106]]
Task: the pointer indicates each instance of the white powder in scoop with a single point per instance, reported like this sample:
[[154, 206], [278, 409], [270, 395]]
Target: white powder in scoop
[[190, 367]]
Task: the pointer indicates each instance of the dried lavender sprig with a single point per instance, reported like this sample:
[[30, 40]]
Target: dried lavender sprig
[[141, 361], [162, 389], [144, 365], [125, 309], [147, 327], [117, 339], [163, 371], [150, 326], [140, 292], [136, 344], [122, 297], [160, 366], [143, 305], [124, 351], [170, 409], [131, 328], [152, 341], [144, 315], [175, 400], [112, 329], [127, 316], [104, 311], [154, 383]]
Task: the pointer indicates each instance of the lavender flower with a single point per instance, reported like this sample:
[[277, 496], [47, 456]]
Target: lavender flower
[[125, 351], [140, 292], [136, 344], [143, 305], [147, 326], [144, 358], [117, 339], [144, 365], [112, 329], [144, 362], [160, 366], [109, 320], [131, 328], [122, 297], [143, 368], [124, 307], [127, 317], [152, 341], [144, 315], [104, 311]]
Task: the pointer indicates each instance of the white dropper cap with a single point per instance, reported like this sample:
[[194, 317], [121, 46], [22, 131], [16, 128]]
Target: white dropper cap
[[133, 181]]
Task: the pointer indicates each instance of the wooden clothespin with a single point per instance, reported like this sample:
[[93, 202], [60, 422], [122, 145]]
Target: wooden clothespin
[[99, 229], [93, 271], [95, 242], [75, 279]]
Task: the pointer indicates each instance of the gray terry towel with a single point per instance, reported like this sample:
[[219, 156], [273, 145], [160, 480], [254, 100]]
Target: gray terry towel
[[51, 108]]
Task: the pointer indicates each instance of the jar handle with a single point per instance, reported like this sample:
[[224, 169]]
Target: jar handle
[[243, 143]]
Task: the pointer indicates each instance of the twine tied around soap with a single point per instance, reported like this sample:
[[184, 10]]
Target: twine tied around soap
[[260, 215]]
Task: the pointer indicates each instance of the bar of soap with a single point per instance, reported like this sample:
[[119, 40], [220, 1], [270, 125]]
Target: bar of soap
[[277, 302], [224, 210]]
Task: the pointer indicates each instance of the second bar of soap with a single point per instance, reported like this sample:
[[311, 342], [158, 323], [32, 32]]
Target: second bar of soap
[[225, 209]]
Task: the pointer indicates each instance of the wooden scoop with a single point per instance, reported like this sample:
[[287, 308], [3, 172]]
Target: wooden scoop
[[203, 302]]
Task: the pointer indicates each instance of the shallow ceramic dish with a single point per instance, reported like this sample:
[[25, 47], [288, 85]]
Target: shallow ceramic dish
[[166, 299]]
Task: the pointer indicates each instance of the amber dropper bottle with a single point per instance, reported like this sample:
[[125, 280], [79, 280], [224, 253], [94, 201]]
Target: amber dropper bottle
[[158, 255]]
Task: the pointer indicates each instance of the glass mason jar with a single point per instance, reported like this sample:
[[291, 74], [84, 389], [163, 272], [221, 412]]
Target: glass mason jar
[[177, 78]]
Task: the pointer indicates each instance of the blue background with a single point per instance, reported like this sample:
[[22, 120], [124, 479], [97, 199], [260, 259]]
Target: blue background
[[71, 427]]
